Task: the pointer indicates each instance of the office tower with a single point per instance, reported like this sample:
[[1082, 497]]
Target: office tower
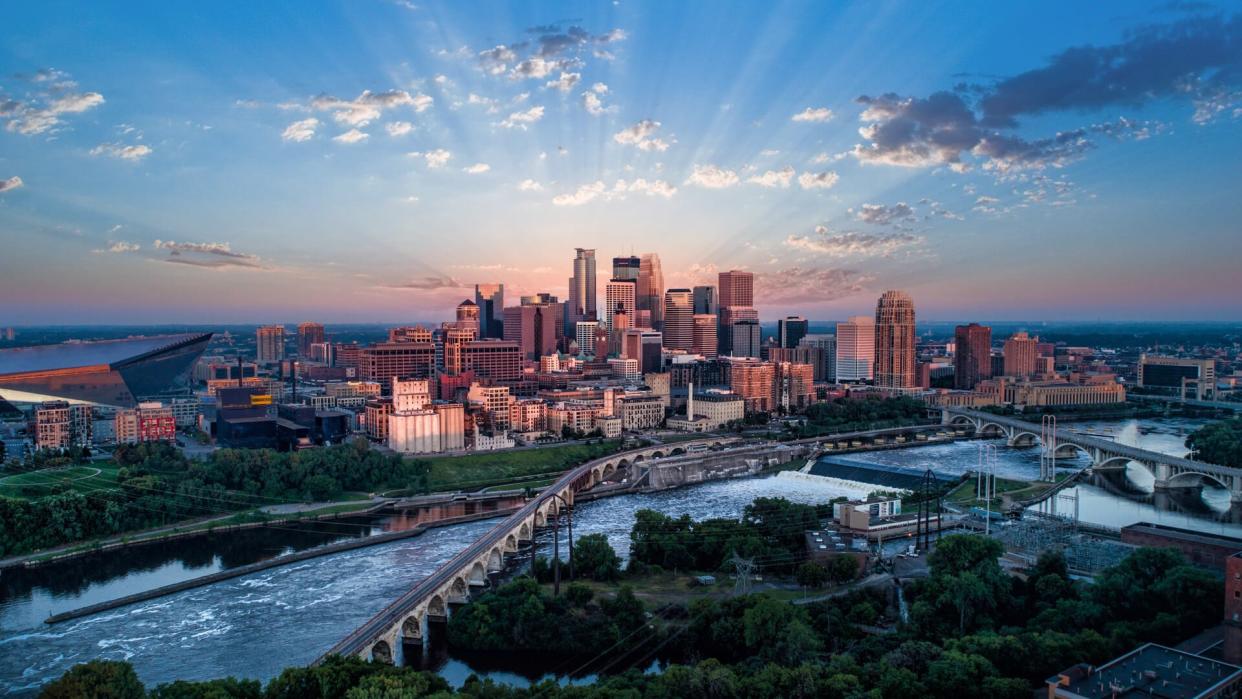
[[744, 339], [679, 319], [382, 361], [827, 345], [490, 298], [1021, 352], [651, 289], [855, 349], [737, 288], [534, 327], [582, 288], [894, 341], [704, 299], [467, 315], [755, 382], [626, 268], [418, 333], [790, 330], [584, 334], [488, 359], [704, 335], [795, 385], [308, 334], [652, 358], [619, 297], [601, 343], [730, 315], [972, 361], [270, 343]]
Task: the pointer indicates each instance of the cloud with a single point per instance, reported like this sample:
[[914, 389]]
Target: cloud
[[120, 247], [427, 284], [592, 100], [642, 136], [852, 243], [882, 215], [477, 168], [520, 120], [10, 184], [435, 158], [209, 255], [538, 67], [116, 150], [496, 60], [481, 100], [398, 128], [41, 111], [817, 180], [565, 83], [352, 136], [529, 185], [712, 177], [809, 285], [816, 115], [652, 188], [598, 190], [299, 131], [774, 178], [823, 158], [369, 106]]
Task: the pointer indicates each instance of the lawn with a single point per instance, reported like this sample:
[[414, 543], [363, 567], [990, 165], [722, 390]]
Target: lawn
[[81, 478], [475, 471]]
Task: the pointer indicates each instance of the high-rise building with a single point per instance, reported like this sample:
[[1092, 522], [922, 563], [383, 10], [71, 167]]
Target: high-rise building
[[754, 381], [737, 288], [1194, 378], [704, 335], [490, 298], [534, 327], [489, 359], [795, 385], [382, 361], [972, 360], [626, 268], [679, 319], [1021, 352], [308, 334], [827, 345], [790, 330], [619, 298], [745, 338], [418, 333], [705, 300], [468, 315], [584, 333], [582, 288], [270, 343], [729, 316], [895, 341], [855, 349], [651, 289], [60, 425]]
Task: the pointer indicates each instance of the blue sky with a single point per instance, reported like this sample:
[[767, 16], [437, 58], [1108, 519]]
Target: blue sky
[[371, 160]]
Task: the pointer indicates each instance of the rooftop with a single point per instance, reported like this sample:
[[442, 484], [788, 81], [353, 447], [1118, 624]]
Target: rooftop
[[70, 355], [1148, 671]]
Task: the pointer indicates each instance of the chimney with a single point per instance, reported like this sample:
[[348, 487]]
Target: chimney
[[690, 402], [239, 371]]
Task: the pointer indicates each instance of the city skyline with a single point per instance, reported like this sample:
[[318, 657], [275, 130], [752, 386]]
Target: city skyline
[[375, 161]]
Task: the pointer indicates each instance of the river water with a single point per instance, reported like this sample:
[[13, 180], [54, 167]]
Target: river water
[[254, 626]]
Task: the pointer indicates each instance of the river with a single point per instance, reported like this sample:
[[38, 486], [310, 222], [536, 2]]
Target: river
[[254, 626]]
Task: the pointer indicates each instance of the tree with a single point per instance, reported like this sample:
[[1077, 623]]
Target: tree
[[595, 558], [843, 569], [811, 574], [1218, 443], [96, 679]]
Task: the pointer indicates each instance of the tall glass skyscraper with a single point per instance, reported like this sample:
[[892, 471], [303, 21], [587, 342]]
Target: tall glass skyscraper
[[895, 341], [582, 289], [651, 288]]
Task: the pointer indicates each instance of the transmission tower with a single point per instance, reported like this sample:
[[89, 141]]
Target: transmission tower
[[1048, 457], [929, 491], [744, 569]]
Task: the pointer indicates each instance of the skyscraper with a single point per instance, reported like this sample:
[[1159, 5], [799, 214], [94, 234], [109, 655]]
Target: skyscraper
[[619, 297], [626, 268], [490, 298], [705, 299], [308, 334], [856, 349], [704, 335], [827, 345], [737, 288], [745, 338], [582, 288], [895, 341], [679, 319], [468, 315], [584, 334], [790, 330], [651, 288], [972, 361], [270, 343], [1021, 351]]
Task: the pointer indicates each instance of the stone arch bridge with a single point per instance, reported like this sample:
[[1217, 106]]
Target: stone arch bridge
[[1105, 454], [405, 620]]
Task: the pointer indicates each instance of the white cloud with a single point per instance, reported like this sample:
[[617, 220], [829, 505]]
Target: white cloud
[[477, 168], [882, 215], [712, 177], [769, 152], [597, 190], [592, 103], [565, 83], [398, 128], [529, 185], [352, 136], [655, 188], [642, 136], [818, 180], [774, 178], [852, 243], [120, 246], [537, 67], [299, 131], [56, 95], [599, 89], [813, 114], [520, 120], [10, 184], [495, 61], [116, 150], [482, 101], [584, 194], [368, 106], [823, 158], [435, 158]]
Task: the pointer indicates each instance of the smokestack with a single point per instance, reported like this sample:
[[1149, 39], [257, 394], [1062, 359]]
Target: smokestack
[[239, 371], [293, 378], [690, 403]]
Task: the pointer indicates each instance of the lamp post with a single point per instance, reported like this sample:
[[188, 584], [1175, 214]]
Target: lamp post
[[556, 546]]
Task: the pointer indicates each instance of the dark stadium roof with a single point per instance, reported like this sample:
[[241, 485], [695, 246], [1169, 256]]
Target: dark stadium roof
[[71, 355]]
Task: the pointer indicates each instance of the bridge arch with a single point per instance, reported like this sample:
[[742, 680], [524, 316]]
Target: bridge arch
[[1069, 450], [381, 652], [412, 627], [657, 455], [495, 561], [1118, 462], [511, 542], [991, 429], [460, 591], [1195, 478], [678, 451], [1023, 438], [478, 574], [436, 606]]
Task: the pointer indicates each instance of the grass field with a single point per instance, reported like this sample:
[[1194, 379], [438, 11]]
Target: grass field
[[82, 479], [475, 471]]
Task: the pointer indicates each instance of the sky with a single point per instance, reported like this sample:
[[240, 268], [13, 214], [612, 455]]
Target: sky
[[372, 160]]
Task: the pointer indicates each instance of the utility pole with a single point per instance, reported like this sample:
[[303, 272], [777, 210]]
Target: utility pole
[[744, 568]]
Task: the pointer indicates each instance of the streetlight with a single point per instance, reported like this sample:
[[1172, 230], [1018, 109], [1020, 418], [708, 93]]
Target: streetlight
[[556, 546]]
